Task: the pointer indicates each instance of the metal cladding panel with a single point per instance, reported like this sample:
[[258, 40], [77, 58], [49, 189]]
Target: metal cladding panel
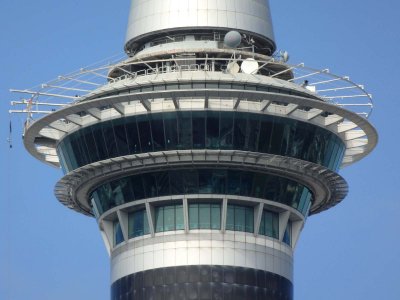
[[148, 16]]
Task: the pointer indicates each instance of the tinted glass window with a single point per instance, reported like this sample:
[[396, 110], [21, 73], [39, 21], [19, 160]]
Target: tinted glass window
[[133, 136], [269, 224], [287, 237], [203, 181], [118, 236], [138, 224], [184, 130], [201, 130], [171, 131], [121, 137], [169, 218], [240, 218], [213, 139], [158, 135], [204, 216], [145, 133], [196, 282]]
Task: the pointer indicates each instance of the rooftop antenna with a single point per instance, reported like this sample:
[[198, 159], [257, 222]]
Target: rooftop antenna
[[9, 139], [232, 40]]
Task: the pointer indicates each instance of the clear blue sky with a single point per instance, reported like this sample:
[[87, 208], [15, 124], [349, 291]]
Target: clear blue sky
[[350, 252]]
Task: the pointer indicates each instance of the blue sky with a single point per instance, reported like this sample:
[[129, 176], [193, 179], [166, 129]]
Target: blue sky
[[349, 252]]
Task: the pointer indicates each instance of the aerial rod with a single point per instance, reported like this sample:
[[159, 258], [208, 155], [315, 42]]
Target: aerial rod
[[25, 111], [342, 88], [355, 104], [78, 80], [25, 101], [96, 73], [43, 94], [330, 80], [346, 96], [63, 88], [310, 74], [287, 70]]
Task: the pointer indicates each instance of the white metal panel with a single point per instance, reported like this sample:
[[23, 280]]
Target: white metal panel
[[192, 249], [162, 15]]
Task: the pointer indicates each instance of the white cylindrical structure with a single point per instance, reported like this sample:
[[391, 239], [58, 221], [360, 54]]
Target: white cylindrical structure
[[150, 19]]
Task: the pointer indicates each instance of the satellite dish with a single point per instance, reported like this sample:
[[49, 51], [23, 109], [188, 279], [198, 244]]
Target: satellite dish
[[233, 67], [232, 39], [249, 66]]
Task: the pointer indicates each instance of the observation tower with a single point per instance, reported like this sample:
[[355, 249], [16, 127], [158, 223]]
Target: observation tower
[[202, 152]]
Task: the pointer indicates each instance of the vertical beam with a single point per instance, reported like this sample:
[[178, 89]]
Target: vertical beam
[[176, 102], [283, 221], [224, 212], [95, 113], [108, 229], [186, 214], [95, 209], [150, 218], [258, 211], [123, 221], [291, 109], [75, 119], [236, 105], [106, 242], [297, 227], [120, 108], [314, 114], [264, 105]]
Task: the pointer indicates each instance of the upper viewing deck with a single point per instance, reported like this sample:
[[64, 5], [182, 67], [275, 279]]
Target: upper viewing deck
[[214, 79]]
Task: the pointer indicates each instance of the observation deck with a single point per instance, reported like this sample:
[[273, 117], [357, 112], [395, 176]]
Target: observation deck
[[200, 156], [150, 86], [103, 92]]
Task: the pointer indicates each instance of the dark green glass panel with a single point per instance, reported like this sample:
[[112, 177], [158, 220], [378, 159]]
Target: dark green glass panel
[[159, 219], [204, 181], [249, 225], [176, 181], [215, 216], [149, 184], [157, 129], [226, 130], [171, 131], [264, 141], [169, 218], [253, 133], [120, 136], [179, 220], [137, 187], [144, 130], [133, 136], [194, 216], [239, 132], [212, 139], [230, 218], [287, 237], [91, 144], [184, 130], [163, 184], [199, 130], [138, 224], [204, 216], [118, 236], [109, 139]]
